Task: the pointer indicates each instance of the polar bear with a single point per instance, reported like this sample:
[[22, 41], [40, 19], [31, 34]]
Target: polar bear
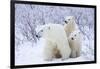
[[56, 42], [70, 24], [75, 43], [74, 35]]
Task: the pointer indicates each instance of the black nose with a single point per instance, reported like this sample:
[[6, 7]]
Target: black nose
[[72, 38], [36, 35], [65, 21]]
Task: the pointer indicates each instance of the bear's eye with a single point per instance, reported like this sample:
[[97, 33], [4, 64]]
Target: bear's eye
[[41, 30], [68, 19], [75, 35]]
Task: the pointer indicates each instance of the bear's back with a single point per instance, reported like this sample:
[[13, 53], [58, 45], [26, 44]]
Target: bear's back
[[57, 32]]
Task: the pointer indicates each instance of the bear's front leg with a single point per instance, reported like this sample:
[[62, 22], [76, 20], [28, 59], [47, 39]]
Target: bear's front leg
[[73, 54], [48, 54], [78, 53], [48, 51]]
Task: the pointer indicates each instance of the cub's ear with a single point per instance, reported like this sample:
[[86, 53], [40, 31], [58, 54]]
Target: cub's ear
[[79, 32]]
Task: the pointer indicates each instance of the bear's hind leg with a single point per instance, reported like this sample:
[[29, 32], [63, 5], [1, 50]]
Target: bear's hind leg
[[65, 53]]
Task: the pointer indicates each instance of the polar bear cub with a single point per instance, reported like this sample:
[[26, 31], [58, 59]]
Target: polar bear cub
[[70, 24], [75, 43], [74, 35], [55, 39]]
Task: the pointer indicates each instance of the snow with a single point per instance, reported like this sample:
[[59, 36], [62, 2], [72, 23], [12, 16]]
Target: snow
[[28, 49], [30, 53]]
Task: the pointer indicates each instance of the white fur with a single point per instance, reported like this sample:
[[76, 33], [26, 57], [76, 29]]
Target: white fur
[[75, 43], [55, 35], [72, 29], [71, 25]]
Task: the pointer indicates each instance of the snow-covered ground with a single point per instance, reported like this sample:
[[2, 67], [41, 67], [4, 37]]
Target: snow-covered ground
[[29, 53]]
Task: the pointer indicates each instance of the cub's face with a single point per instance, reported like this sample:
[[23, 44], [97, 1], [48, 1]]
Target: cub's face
[[41, 31], [74, 36], [69, 19]]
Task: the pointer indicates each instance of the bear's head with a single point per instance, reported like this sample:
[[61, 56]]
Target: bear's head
[[74, 35], [69, 19], [42, 31]]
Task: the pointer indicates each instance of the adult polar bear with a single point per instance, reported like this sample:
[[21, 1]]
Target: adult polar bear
[[55, 39], [74, 36]]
